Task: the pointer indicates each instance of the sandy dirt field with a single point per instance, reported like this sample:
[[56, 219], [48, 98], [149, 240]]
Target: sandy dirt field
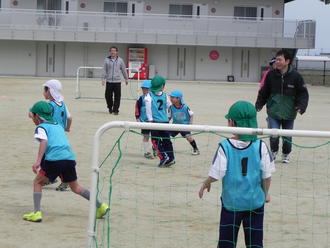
[[151, 206]]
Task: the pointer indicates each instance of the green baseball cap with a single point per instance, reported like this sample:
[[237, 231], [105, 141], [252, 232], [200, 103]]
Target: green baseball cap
[[43, 109], [245, 115], [157, 83]]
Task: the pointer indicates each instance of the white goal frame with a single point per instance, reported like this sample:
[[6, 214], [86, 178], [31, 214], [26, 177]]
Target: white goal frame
[[174, 127], [78, 91]]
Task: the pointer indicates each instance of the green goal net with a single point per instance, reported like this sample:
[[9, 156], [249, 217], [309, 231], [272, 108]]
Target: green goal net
[[160, 207]]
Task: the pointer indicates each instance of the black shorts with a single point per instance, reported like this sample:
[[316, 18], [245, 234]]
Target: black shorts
[[65, 169], [183, 133], [145, 131]]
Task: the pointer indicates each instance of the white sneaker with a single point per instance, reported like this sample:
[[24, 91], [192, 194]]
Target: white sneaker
[[285, 158], [195, 152]]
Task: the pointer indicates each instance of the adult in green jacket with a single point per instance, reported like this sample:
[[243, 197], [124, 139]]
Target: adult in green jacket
[[285, 94]]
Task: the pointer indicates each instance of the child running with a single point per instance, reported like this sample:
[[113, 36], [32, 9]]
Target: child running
[[181, 114], [244, 164], [55, 158], [141, 116], [61, 114], [157, 110]]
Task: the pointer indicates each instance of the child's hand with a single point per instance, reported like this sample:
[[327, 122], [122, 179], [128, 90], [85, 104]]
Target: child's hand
[[204, 186], [267, 198], [103, 82], [67, 130], [35, 167]]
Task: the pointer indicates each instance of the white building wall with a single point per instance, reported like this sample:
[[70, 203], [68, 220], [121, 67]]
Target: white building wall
[[28, 58], [158, 56], [24, 4], [74, 57], [91, 5], [216, 70], [88, 54], [222, 8], [18, 58]]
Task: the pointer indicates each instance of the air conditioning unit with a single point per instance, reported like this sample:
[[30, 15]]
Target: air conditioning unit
[[230, 78]]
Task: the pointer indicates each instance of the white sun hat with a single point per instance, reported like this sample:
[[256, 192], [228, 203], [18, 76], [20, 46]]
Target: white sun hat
[[55, 88]]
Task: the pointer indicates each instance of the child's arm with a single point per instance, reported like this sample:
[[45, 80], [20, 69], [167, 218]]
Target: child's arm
[[206, 185], [42, 149], [169, 114], [266, 185], [68, 119], [191, 115], [147, 100], [267, 167], [68, 124], [191, 120], [168, 105]]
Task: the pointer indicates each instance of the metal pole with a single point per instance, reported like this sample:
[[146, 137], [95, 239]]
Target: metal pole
[[324, 66]]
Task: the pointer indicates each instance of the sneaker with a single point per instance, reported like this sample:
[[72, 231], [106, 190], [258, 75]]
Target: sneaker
[[102, 210], [195, 152], [62, 187], [285, 158], [33, 217], [49, 183], [148, 155], [170, 162], [116, 113], [110, 112], [274, 155], [162, 162]]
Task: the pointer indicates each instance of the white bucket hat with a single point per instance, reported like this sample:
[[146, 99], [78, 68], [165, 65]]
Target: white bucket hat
[[55, 88]]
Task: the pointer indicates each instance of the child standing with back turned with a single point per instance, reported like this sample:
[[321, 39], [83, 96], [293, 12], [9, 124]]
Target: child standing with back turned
[[61, 114], [244, 164]]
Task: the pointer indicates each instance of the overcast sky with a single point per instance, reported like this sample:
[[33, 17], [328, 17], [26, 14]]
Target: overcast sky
[[312, 10]]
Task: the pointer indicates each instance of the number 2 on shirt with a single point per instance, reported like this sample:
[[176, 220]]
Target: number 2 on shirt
[[160, 104]]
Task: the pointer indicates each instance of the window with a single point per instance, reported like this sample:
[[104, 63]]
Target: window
[[185, 10], [49, 4], [0, 4], [245, 13], [116, 7]]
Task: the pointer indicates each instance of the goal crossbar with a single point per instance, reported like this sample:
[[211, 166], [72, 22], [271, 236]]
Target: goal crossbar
[[126, 125]]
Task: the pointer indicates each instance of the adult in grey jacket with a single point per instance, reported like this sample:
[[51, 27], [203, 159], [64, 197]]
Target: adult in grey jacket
[[113, 68]]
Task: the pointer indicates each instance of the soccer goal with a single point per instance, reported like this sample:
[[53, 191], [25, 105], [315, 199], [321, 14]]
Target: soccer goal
[[159, 207], [88, 84]]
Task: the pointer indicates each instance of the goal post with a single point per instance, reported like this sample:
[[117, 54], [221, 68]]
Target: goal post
[[127, 126], [88, 83]]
